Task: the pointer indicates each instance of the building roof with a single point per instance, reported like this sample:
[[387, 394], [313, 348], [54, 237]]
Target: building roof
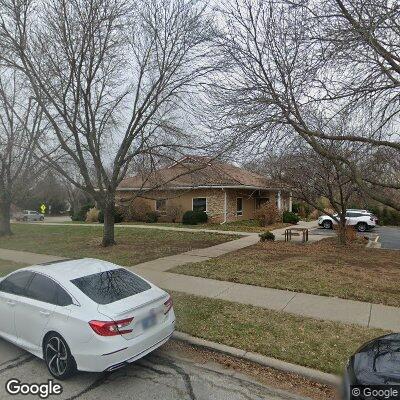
[[197, 172]]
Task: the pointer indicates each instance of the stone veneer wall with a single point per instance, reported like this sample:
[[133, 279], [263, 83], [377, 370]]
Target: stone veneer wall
[[183, 199], [215, 201]]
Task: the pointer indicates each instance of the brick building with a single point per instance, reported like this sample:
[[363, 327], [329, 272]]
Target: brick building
[[226, 192]]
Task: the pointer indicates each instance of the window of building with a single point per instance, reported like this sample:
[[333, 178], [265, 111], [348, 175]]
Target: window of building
[[199, 204], [239, 206], [161, 204]]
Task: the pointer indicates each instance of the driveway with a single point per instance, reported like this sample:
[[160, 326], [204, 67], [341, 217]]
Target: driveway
[[330, 232], [163, 374], [389, 236]]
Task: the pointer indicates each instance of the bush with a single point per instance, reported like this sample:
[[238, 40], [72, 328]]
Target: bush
[[152, 217], [314, 214], [305, 210], [92, 215], [302, 209], [173, 213], [81, 214], [118, 216], [267, 236], [202, 217], [392, 217], [267, 214], [296, 207], [290, 217], [349, 231], [136, 211], [386, 215], [194, 217]]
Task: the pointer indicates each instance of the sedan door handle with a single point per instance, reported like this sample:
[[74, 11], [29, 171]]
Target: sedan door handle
[[11, 303], [44, 313]]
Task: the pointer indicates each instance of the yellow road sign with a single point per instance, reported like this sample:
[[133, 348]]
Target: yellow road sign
[[43, 208]]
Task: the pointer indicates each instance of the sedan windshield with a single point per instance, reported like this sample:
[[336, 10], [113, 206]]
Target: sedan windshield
[[110, 286]]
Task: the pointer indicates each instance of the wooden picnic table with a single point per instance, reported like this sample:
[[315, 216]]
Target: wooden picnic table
[[289, 233]]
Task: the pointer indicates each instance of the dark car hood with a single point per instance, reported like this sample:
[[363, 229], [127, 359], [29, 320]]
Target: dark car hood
[[378, 362]]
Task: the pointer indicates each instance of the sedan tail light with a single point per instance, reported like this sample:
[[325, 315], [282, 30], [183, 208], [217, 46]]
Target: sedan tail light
[[168, 305], [111, 328]]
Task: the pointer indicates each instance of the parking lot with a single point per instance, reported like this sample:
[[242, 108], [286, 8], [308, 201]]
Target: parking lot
[[164, 374], [389, 236]]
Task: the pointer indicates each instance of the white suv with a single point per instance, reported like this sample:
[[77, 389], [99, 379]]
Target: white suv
[[361, 219]]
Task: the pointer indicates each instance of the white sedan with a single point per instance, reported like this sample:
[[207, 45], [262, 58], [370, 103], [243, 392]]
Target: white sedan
[[86, 315]]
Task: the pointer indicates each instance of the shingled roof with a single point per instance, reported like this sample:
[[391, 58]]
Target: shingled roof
[[197, 172]]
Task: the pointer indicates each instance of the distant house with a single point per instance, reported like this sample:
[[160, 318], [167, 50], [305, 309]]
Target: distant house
[[224, 191]]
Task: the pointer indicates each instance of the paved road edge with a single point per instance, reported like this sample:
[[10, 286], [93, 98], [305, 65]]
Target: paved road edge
[[308, 373]]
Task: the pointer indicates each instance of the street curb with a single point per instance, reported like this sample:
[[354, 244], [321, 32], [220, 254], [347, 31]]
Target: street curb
[[374, 244], [308, 373]]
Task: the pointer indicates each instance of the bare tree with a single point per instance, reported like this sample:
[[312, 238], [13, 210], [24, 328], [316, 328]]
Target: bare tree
[[319, 70], [110, 77], [313, 177], [20, 131]]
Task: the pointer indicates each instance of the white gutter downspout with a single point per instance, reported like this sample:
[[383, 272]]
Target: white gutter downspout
[[279, 201], [225, 206]]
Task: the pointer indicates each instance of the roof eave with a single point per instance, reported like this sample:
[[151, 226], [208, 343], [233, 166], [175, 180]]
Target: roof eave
[[250, 187]]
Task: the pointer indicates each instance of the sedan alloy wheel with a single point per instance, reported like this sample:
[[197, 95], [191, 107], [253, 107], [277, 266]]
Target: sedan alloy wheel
[[58, 357]]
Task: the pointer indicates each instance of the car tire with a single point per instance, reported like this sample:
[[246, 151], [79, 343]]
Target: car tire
[[327, 224], [362, 227], [57, 355]]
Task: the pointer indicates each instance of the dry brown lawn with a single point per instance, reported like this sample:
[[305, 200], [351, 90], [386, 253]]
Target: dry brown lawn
[[323, 268], [9, 266], [134, 245], [323, 345]]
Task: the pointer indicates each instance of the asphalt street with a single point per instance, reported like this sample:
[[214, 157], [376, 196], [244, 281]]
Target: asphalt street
[[163, 375]]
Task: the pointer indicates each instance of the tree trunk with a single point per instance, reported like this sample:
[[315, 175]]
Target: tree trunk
[[342, 231], [108, 229], [5, 214]]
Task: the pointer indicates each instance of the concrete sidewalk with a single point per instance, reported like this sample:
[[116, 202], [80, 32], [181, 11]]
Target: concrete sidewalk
[[310, 225], [319, 307], [149, 226], [279, 233], [308, 305], [26, 257]]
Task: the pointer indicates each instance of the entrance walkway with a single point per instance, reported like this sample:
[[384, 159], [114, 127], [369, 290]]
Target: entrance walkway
[[319, 307], [279, 233]]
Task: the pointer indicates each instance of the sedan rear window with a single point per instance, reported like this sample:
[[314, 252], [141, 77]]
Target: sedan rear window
[[109, 286]]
